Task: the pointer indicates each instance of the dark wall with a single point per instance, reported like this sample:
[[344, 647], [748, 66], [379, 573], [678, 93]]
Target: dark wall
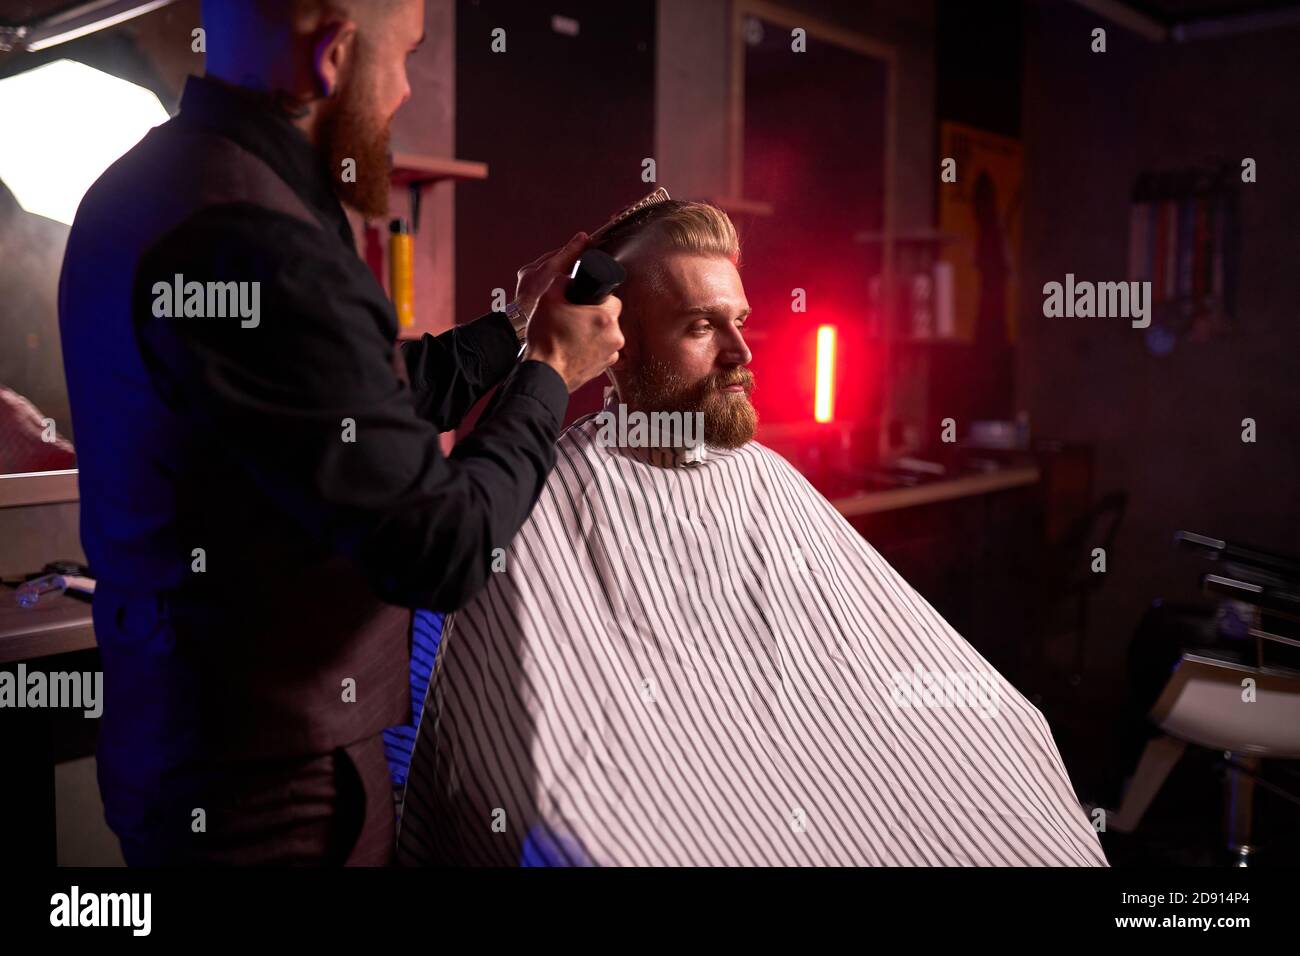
[[979, 61], [1167, 430], [563, 123], [979, 66]]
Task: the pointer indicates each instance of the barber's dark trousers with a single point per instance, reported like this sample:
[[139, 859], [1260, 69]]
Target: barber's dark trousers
[[328, 810]]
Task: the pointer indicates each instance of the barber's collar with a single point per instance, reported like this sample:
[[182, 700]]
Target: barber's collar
[[671, 457], [248, 118]]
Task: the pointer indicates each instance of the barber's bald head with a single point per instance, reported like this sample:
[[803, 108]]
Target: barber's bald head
[[337, 68]]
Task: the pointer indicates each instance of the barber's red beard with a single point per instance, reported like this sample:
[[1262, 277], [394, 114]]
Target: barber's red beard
[[351, 129], [729, 419]]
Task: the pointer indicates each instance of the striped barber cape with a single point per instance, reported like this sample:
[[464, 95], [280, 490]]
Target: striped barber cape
[[695, 660]]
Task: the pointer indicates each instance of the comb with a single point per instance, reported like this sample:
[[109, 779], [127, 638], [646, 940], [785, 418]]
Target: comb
[[658, 196]]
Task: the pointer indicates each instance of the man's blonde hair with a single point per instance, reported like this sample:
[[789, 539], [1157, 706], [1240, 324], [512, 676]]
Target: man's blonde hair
[[675, 225]]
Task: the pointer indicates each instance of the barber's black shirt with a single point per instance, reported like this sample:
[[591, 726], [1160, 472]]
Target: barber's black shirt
[[262, 500], [303, 412]]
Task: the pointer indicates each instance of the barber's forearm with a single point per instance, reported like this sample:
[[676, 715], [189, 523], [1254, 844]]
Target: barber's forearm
[[440, 555], [450, 372]]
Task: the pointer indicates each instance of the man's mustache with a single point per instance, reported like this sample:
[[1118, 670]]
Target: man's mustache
[[736, 376]]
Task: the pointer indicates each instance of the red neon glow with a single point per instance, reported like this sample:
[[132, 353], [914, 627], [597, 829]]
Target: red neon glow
[[824, 396]]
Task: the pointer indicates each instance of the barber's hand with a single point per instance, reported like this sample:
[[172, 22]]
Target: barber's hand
[[534, 278], [578, 341]]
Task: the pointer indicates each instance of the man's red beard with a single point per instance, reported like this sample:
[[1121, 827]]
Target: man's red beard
[[729, 419], [350, 129]]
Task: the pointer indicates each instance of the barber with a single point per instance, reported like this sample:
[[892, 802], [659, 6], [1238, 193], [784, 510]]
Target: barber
[[263, 494]]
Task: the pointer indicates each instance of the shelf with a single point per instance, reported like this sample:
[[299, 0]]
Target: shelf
[[58, 624], [416, 170], [872, 502], [419, 169], [39, 488]]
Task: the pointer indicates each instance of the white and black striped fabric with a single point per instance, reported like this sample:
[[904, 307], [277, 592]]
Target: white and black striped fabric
[[699, 666]]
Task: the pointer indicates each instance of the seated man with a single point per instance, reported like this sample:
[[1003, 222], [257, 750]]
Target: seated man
[[689, 657]]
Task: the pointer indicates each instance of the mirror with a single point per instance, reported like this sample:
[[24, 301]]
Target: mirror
[[76, 92], [816, 146]]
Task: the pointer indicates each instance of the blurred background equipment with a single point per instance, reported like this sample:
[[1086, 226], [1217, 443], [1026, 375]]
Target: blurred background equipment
[[1238, 696]]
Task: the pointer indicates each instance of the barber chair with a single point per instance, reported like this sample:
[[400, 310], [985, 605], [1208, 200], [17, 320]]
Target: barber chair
[[1250, 712], [1066, 580]]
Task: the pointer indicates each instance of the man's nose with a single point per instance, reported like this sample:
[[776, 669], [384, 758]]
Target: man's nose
[[735, 351]]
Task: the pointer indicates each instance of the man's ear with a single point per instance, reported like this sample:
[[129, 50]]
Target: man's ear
[[334, 49], [621, 364]]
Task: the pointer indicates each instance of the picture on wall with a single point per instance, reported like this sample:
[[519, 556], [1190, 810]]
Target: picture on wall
[[982, 210]]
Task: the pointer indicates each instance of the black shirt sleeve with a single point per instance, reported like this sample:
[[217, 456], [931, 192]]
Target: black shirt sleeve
[[450, 372], [308, 401]]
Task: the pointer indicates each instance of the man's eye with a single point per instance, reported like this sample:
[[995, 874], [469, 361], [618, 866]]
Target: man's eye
[[701, 329]]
